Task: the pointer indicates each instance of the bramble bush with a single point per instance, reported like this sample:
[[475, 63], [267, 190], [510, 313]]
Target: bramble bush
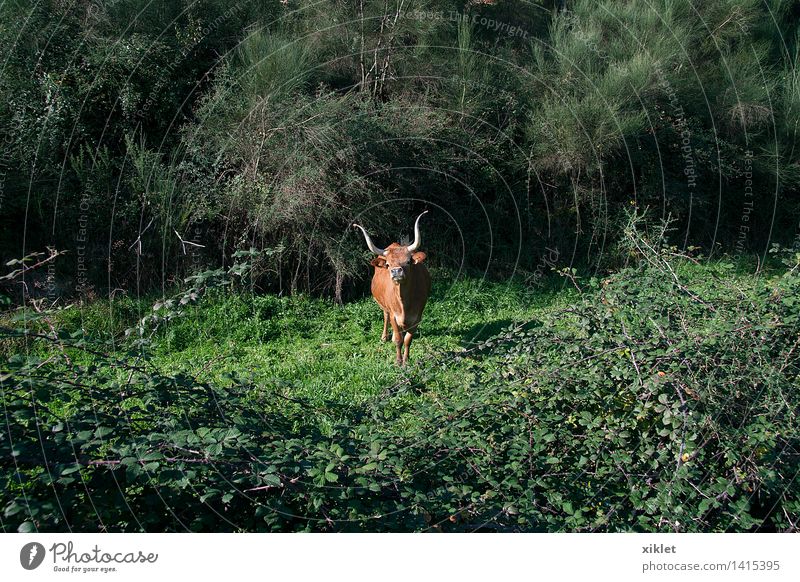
[[663, 399]]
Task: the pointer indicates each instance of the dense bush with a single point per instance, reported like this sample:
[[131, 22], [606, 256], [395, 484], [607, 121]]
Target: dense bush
[[664, 399], [273, 123]]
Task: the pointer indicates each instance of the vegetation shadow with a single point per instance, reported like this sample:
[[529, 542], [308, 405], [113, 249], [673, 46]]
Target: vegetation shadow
[[479, 333]]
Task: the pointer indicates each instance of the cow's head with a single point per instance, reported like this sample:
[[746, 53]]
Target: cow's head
[[397, 258]]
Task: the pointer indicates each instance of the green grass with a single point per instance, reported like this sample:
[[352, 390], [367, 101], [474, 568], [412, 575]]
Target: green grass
[[324, 351], [314, 349], [331, 351], [329, 354]]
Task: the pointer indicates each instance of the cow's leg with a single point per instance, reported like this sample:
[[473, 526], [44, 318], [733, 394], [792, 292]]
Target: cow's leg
[[411, 332], [407, 345], [397, 338], [385, 334]]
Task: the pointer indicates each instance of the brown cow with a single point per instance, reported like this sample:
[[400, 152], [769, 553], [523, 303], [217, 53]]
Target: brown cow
[[401, 285]]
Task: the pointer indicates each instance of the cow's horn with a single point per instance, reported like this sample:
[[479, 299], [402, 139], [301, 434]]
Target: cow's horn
[[417, 239], [370, 244]]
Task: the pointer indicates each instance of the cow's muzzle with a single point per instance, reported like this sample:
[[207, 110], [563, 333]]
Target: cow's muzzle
[[397, 274]]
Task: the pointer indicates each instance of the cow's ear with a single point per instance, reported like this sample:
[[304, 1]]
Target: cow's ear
[[379, 262], [418, 257]]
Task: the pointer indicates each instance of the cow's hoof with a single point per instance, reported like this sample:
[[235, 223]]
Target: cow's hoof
[[384, 338]]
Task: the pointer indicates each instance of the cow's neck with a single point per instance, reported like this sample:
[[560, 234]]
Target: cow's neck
[[403, 289]]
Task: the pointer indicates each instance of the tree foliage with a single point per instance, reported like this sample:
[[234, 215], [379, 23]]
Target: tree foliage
[[264, 123]]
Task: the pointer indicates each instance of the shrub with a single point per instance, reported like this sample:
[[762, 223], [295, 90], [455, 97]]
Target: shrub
[[663, 399]]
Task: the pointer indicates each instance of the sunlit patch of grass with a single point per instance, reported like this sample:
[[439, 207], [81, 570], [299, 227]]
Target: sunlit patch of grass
[[311, 348], [325, 351]]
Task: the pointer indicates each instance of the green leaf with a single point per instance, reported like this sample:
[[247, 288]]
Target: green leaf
[[103, 431]]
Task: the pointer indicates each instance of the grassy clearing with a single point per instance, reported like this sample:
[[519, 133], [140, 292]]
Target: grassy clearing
[[314, 349], [326, 352], [330, 355]]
